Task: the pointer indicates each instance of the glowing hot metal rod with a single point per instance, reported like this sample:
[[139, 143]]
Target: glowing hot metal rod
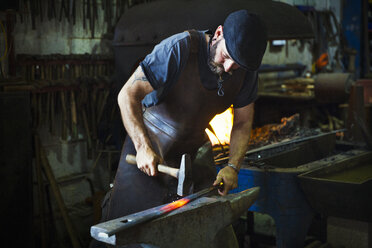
[[150, 214]]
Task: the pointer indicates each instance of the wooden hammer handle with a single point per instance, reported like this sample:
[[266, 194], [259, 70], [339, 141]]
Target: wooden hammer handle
[[131, 159]]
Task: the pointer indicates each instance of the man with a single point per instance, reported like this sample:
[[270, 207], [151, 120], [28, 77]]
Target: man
[[169, 100]]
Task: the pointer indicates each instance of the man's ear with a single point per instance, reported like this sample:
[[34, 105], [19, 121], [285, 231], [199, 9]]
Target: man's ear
[[218, 33]]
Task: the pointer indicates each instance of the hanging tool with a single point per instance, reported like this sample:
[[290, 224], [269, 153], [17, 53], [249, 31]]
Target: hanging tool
[[108, 10], [47, 109], [33, 14], [73, 115], [89, 16], [41, 192], [61, 204], [52, 112], [64, 9], [73, 10], [95, 16], [40, 10], [102, 104], [21, 9], [4, 56], [84, 11], [51, 9], [64, 115]]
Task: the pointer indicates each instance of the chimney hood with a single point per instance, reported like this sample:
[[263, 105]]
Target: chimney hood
[[149, 23]]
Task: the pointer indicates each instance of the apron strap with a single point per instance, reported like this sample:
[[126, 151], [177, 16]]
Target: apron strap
[[194, 35]]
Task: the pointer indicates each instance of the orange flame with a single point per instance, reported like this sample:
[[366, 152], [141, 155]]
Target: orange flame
[[222, 125], [174, 205]]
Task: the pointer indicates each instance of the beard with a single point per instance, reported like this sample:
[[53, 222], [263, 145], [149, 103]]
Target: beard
[[215, 67]]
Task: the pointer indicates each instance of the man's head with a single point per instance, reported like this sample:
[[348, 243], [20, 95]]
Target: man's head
[[240, 42]]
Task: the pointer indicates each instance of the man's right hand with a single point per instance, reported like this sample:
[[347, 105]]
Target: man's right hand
[[148, 160]]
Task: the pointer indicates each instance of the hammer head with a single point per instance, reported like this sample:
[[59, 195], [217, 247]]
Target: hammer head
[[185, 185]]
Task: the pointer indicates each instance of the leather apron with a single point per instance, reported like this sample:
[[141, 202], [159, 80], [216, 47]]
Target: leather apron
[[175, 126]]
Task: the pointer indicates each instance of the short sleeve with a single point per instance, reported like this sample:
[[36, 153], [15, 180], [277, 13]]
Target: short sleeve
[[164, 65], [248, 92]]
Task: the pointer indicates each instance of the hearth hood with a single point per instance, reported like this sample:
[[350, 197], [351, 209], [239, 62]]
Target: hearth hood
[[149, 23]]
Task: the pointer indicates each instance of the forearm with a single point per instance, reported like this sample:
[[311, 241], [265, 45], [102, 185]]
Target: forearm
[[239, 140], [239, 143], [129, 101], [131, 113], [240, 135]]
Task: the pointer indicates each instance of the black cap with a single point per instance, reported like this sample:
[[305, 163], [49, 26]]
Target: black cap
[[246, 38]]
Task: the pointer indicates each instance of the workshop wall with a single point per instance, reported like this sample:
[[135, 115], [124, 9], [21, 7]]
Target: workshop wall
[[61, 35], [53, 43], [297, 51]]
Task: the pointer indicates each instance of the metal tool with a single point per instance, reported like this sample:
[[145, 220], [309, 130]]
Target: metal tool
[[181, 228], [153, 213], [183, 174], [64, 10], [74, 237]]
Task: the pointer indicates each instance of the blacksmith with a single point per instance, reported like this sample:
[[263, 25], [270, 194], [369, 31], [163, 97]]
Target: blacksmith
[[169, 100]]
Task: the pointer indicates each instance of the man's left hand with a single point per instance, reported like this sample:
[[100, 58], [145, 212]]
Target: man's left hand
[[229, 177]]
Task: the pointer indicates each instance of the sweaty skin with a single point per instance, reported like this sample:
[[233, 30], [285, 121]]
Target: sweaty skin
[[137, 87]]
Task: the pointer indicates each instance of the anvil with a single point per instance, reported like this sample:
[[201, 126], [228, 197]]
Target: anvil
[[193, 225]]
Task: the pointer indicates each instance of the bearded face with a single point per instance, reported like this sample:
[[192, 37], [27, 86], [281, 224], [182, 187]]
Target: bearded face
[[215, 67]]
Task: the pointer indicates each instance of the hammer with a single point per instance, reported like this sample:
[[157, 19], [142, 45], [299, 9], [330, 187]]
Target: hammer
[[183, 174]]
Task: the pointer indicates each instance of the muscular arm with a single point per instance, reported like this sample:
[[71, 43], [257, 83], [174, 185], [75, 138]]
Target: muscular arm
[[239, 140], [240, 134], [129, 100]]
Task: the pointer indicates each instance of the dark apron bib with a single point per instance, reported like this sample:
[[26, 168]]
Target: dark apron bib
[[175, 126]]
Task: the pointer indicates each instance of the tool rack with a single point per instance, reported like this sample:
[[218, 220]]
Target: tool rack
[[57, 66], [69, 97]]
